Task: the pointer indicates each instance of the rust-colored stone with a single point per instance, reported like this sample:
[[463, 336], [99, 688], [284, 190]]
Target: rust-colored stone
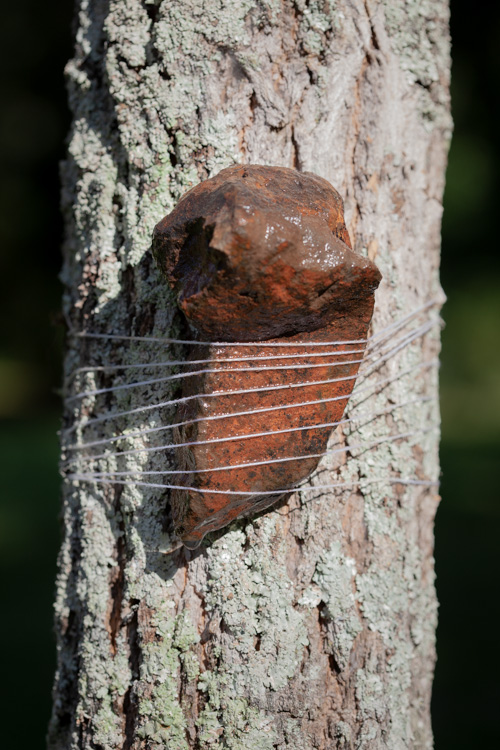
[[260, 254]]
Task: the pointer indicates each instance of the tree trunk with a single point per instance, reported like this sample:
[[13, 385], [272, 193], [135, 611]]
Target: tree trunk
[[311, 626]]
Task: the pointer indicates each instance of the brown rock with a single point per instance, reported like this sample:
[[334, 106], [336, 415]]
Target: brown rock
[[261, 254]]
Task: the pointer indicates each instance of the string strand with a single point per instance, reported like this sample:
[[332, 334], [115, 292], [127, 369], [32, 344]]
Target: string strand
[[92, 478], [175, 544], [392, 351], [373, 343], [152, 430], [143, 383], [286, 459], [221, 371], [185, 362], [380, 347], [167, 341], [173, 446], [356, 391]]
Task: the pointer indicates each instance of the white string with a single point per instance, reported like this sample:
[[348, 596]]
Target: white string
[[356, 391], [173, 363], [152, 449], [286, 459], [362, 483], [273, 408], [392, 350], [168, 341], [221, 371], [176, 544], [376, 353], [185, 362], [257, 389], [125, 386], [161, 428], [389, 480]]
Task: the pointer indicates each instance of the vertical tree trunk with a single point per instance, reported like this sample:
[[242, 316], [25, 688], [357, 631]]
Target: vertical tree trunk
[[304, 629]]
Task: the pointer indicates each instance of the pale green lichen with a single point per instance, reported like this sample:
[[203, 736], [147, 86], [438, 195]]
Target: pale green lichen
[[106, 724], [416, 29], [317, 18], [252, 593], [419, 32], [334, 576], [228, 722], [370, 691], [294, 737], [382, 599], [163, 720], [343, 735], [266, 609]]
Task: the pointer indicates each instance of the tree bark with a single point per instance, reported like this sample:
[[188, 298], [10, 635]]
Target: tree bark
[[311, 626]]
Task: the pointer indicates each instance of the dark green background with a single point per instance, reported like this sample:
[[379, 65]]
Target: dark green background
[[35, 42]]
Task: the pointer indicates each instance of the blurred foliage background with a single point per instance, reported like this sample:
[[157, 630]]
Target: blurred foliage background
[[35, 42]]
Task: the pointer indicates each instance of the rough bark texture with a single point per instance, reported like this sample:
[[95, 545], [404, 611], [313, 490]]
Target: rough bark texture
[[313, 625]]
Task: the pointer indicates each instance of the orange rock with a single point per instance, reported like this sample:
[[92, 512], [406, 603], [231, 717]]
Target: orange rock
[[260, 254]]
